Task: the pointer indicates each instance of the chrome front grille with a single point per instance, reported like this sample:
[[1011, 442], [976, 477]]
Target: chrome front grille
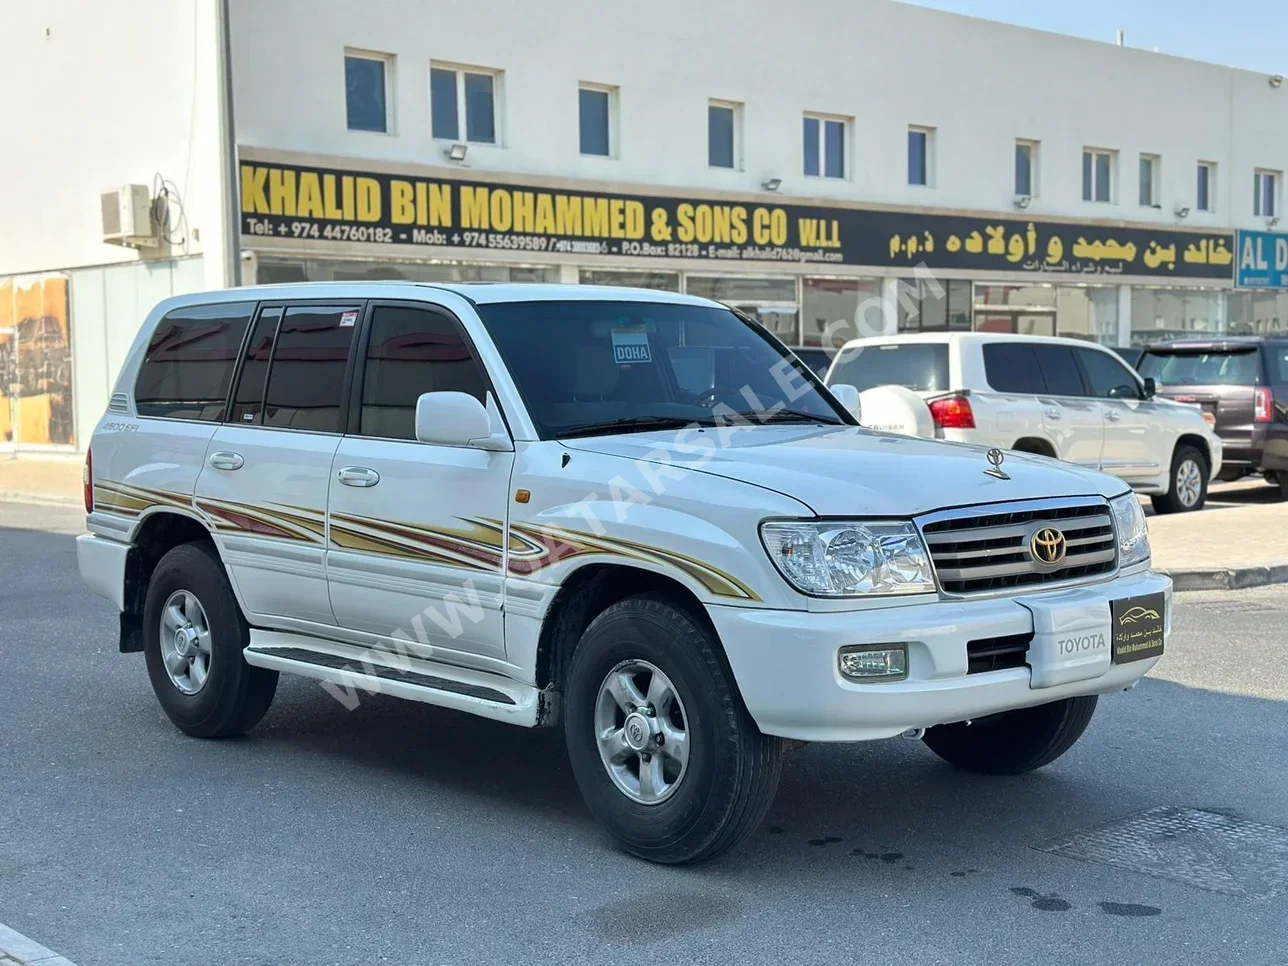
[[987, 548]]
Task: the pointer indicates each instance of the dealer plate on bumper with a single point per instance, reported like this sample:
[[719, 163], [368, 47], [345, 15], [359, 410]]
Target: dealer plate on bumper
[[1071, 637], [1138, 624]]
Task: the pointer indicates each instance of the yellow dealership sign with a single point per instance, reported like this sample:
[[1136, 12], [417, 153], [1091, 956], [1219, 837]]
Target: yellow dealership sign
[[298, 201]]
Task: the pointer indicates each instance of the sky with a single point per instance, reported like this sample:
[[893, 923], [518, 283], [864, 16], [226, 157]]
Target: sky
[[1252, 34]]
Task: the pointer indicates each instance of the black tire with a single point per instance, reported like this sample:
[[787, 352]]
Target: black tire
[[1171, 502], [1013, 742], [1280, 479], [733, 769], [235, 696]]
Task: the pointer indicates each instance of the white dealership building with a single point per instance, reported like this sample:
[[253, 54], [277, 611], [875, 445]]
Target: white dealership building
[[954, 172]]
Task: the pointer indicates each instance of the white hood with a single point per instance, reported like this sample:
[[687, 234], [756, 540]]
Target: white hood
[[847, 471]]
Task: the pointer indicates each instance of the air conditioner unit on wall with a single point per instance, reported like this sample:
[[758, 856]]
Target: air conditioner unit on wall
[[127, 217]]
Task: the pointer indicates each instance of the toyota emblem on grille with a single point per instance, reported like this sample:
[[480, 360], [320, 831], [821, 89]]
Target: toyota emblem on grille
[[1048, 546]]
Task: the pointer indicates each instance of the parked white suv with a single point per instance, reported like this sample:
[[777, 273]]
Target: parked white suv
[[634, 514], [1065, 398]]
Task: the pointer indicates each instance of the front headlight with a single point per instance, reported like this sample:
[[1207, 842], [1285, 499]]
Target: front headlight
[[1132, 530], [849, 559]]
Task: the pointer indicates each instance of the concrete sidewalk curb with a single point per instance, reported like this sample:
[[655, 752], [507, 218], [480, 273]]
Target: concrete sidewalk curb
[[1229, 578], [44, 499], [27, 952]]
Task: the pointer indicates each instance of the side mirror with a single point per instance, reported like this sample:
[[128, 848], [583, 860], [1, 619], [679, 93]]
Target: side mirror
[[1151, 387], [451, 419], [848, 396]]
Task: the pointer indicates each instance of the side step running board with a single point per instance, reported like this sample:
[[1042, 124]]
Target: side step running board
[[374, 670]]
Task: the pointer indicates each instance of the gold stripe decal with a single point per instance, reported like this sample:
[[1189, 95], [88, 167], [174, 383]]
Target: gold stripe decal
[[475, 544]]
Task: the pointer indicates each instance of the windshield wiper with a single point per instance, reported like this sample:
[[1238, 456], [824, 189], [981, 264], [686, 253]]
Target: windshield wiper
[[632, 424], [790, 416]]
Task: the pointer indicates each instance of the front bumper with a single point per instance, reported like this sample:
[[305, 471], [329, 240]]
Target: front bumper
[[785, 663]]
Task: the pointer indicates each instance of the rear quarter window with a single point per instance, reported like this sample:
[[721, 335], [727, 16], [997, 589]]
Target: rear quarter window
[[189, 362], [920, 366], [1012, 367]]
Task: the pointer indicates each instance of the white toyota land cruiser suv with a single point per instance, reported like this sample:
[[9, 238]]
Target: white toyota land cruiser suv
[[632, 514], [1073, 400]]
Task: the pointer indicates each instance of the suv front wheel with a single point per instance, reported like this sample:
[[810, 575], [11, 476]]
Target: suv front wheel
[[663, 750], [193, 637]]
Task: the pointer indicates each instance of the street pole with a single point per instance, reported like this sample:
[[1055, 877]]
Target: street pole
[[228, 151]]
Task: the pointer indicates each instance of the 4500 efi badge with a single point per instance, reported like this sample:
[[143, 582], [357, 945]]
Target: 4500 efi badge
[[632, 515]]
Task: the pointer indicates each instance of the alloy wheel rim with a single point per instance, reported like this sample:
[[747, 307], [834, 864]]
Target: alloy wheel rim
[[1189, 482], [642, 731], [185, 642]]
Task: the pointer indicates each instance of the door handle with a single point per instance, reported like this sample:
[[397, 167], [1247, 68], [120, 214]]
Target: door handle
[[358, 476], [227, 461], [1112, 415], [1052, 414]]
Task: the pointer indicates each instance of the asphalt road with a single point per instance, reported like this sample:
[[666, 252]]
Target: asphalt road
[[400, 833]]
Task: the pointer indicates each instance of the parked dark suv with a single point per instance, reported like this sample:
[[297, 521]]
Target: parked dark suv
[[1243, 382]]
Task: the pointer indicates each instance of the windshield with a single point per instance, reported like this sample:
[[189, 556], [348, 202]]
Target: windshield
[[1200, 368], [921, 366], [584, 367]]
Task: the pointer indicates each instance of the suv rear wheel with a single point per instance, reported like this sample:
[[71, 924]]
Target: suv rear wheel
[[193, 637], [1013, 742], [663, 749], [1188, 482]]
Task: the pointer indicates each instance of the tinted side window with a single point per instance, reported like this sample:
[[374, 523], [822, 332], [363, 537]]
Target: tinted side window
[[249, 401], [1012, 367], [1277, 357], [1108, 378], [412, 351], [307, 373], [189, 362], [1059, 370]]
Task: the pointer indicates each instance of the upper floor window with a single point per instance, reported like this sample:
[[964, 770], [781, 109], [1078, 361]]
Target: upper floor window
[[1097, 175], [190, 360], [825, 139], [471, 93], [1149, 178], [1265, 202], [595, 111], [921, 155], [1205, 195], [724, 134], [1026, 168], [367, 78]]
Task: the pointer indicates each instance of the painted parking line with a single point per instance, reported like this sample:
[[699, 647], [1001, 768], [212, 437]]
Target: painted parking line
[[17, 948]]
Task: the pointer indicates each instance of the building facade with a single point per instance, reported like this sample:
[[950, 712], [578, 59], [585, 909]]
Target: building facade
[[1002, 179]]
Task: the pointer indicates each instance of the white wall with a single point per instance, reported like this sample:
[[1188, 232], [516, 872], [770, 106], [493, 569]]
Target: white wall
[[982, 85], [97, 95], [108, 304]]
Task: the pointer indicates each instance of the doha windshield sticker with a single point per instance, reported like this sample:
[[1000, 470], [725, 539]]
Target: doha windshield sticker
[[630, 344]]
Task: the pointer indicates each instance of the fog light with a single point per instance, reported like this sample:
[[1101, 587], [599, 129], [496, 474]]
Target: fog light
[[874, 662]]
